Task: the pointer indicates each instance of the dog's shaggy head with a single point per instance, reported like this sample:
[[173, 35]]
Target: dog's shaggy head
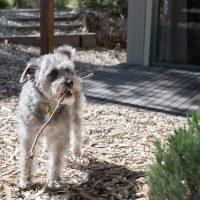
[[54, 75]]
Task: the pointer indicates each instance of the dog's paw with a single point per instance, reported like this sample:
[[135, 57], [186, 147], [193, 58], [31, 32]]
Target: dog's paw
[[77, 159], [24, 182], [55, 181], [54, 184]]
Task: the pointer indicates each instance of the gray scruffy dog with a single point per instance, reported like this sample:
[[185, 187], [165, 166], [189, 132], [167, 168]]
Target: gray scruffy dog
[[46, 79]]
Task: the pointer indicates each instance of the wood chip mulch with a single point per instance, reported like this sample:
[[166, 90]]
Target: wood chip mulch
[[117, 146]]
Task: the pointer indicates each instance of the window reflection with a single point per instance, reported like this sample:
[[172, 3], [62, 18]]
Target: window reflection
[[179, 32]]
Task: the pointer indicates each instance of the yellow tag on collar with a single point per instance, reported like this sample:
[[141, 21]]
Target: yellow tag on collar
[[48, 110]]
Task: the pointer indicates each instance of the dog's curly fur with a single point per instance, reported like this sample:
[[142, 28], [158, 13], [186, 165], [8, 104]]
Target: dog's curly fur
[[45, 80]]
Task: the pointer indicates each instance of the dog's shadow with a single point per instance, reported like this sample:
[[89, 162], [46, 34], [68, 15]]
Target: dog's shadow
[[105, 181]]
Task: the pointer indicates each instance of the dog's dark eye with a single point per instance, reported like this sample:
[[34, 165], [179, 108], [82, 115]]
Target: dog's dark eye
[[53, 74], [67, 71]]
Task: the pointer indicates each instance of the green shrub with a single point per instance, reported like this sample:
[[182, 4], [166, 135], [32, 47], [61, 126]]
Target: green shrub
[[175, 175], [26, 3], [62, 3], [111, 4], [4, 4]]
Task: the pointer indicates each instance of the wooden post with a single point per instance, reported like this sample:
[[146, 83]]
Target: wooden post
[[46, 26]]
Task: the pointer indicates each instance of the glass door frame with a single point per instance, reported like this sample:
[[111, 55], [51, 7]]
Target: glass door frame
[[154, 43]]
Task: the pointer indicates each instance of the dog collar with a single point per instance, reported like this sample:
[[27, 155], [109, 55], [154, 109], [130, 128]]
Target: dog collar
[[48, 110]]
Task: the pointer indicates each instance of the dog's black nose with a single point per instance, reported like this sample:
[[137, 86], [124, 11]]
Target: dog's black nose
[[69, 83]]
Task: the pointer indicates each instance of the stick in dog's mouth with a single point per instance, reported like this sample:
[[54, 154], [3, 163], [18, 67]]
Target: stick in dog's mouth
[[67, 92]]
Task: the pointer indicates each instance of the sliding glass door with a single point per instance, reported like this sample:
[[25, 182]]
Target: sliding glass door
[[176, 33]]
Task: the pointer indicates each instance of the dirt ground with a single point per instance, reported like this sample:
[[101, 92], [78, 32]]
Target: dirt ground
[[117, 146]]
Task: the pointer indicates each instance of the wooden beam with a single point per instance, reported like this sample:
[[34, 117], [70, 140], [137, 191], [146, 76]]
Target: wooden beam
[[47, 40]]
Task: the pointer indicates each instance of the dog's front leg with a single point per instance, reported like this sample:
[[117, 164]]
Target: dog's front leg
[[26, 138], [57, 147], [77, 135]]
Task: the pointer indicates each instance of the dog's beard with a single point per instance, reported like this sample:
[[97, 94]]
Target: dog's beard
[[58, 90], [69, 100], [69, 95]]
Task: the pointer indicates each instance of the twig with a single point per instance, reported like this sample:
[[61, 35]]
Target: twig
[[31, 154], [87, 76]]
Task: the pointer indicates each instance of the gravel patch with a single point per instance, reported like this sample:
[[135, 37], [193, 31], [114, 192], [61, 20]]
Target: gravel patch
[[117, 146]]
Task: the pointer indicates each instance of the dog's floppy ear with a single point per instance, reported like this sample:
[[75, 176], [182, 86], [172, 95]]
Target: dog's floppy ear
[[67, 50], [28, 72]]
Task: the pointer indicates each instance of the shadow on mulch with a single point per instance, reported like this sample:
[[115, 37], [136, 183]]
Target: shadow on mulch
[[11, 68], [105, 181], [12, 63]]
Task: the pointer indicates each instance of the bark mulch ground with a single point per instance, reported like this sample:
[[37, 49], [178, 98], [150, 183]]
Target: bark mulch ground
[[118, 141]]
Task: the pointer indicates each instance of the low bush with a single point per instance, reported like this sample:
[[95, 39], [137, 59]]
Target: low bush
[[175, 175]]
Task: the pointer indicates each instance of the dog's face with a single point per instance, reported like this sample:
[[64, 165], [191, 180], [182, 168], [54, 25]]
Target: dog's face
[[54, 75]]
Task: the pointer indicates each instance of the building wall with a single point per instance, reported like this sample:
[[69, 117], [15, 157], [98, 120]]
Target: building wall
[[139, 31]]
